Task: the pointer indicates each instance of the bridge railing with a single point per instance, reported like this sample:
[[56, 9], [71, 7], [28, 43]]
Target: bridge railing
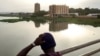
[[82, 46], [92, 52]]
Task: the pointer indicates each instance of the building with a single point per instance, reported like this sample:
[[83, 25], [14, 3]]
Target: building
[[37, 7], [58, 10], [58, 26], [93, 14], [73, 14]]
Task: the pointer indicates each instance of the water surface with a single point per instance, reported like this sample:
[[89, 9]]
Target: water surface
[[15, 36]]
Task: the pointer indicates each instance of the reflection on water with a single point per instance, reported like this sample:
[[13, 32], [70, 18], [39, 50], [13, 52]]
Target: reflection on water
[[37, 24], [58, 26], [15, 36], [74, 31], [42, 20]]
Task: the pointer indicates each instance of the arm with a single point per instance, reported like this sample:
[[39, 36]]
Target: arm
[[37, 42], [24, 51]]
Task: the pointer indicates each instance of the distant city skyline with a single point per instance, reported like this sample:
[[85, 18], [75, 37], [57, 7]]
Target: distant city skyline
[[28, 5]]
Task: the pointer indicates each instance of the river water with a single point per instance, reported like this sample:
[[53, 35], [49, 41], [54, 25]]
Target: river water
[[16, 36]]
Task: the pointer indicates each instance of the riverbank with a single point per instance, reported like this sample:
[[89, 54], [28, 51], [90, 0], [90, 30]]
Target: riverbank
[[95, 22], [85, 21]]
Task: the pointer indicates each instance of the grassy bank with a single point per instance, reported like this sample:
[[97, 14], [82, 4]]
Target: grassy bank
[[11, 20], [94, 22]]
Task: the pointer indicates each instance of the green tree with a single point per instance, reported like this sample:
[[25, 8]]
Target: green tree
[[86, 11], [72, 10], [80, 11], [39, 14]]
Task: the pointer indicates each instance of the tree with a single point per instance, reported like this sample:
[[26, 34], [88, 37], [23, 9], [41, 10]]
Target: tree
[[39, 14], [87, 11], [72, 10], [98, 16], [84, 11], [80, 11]]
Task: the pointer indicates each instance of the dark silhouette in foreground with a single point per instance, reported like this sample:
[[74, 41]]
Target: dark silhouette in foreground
[[47, 43]]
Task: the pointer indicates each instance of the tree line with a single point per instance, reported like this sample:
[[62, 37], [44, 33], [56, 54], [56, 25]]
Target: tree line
[[80, 11], [84, 11]]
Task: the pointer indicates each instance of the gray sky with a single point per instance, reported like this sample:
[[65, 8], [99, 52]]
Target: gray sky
[[28, 5]]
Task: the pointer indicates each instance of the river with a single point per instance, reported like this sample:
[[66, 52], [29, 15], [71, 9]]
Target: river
[[16, 36]]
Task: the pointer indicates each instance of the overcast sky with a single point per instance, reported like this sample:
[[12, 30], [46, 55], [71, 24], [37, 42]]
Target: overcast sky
[[28, 5]]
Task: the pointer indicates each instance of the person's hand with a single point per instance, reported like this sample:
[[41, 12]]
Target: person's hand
[[39, 40]]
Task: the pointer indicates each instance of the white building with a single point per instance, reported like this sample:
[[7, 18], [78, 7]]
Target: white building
[[93, 14]]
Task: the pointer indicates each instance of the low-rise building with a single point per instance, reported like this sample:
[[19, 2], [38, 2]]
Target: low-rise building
[[93, 14]]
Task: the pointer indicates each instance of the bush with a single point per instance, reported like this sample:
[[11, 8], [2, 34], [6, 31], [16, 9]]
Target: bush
[[39, 14], [98, 16]]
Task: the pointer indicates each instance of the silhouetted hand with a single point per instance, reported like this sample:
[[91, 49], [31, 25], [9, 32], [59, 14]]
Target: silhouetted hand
[[39, 40]]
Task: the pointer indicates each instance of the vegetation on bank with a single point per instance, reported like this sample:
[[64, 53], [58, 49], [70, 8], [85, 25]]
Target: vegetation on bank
[[38, 17], [11, 20], [84, 11], [94, 22], [39, 14]]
